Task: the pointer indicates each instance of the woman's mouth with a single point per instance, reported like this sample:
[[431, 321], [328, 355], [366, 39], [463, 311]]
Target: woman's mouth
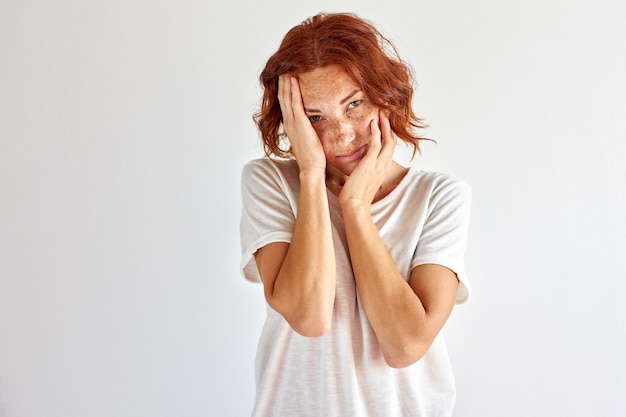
[[353, 155]]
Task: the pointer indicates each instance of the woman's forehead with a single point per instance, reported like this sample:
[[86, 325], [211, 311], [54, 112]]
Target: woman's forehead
[[326, 83]]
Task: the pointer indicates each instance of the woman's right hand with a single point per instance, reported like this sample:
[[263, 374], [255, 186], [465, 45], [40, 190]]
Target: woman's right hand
[[305, 144]]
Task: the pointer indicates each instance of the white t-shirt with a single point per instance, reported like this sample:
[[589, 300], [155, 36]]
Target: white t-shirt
[[423, 220]]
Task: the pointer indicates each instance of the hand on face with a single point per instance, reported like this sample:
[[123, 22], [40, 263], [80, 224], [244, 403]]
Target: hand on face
[[375, 167], [305, 144]]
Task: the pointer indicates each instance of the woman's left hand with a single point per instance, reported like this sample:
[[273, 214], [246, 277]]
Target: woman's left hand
[[370, 174]]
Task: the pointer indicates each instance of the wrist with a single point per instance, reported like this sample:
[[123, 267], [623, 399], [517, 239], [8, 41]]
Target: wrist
[[354, 207], [312, 176]]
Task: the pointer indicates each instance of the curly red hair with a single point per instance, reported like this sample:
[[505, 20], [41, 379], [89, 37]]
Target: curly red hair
[[355, 44]]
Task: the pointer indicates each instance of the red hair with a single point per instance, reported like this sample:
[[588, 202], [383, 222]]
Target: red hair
[[354, 44]]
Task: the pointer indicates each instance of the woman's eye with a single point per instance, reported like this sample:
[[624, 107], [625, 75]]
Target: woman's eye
[[315, 118], [354, 104]]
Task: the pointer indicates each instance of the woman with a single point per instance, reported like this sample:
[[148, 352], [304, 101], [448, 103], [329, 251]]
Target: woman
[[361, 258]]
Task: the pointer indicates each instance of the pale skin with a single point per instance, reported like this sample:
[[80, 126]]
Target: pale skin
[[342, 141]]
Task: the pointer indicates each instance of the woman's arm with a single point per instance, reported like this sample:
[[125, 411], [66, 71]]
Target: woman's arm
[[406, 316], [299, 277]]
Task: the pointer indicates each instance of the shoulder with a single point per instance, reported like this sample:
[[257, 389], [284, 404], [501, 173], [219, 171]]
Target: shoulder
[[438, 184], [268, 176], [269, 166]]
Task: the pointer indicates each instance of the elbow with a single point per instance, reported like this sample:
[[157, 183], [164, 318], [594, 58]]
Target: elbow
[[407, 355], [306, 319], [311, 326]]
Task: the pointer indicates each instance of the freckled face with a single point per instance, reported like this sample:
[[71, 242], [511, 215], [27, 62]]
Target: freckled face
[[340, 113]]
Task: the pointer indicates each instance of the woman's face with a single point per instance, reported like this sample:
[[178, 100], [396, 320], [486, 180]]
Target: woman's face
[[340, 113]]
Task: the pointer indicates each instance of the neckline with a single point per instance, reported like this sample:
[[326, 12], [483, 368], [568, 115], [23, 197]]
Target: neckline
[[408, 170]]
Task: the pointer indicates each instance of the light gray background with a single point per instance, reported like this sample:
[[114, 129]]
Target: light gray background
[[124, 125]]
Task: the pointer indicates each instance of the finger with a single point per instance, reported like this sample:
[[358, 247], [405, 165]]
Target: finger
[[283, 94], [376, 134], [373, 149], [389, 138], [375, 137], [296, 97]]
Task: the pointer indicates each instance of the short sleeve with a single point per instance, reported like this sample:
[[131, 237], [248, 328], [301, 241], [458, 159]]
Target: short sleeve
[[268, 211], [444, 234]]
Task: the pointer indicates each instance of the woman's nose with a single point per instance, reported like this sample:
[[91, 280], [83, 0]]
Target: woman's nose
[[342, 131]]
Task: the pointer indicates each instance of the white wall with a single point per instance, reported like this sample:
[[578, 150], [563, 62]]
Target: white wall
[[123, 128]]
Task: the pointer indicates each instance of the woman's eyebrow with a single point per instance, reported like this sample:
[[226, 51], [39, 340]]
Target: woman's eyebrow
[[342, 102], [349, 96]]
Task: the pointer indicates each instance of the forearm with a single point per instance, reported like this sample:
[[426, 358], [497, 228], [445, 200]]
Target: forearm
[[395, 312], [304, 289]]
